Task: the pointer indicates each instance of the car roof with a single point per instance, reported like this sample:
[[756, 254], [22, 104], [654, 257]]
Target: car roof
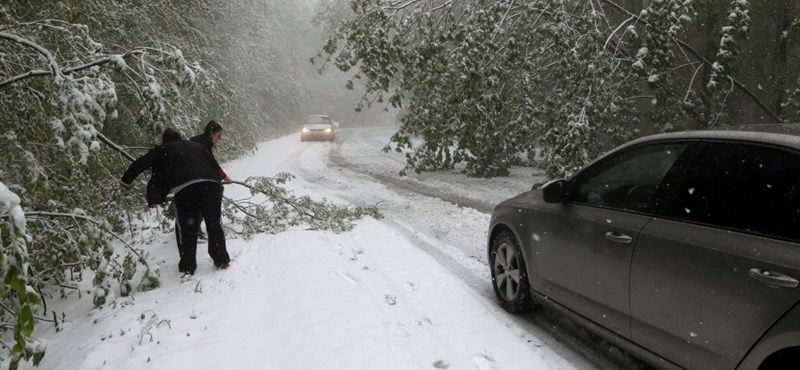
[[785, 134]]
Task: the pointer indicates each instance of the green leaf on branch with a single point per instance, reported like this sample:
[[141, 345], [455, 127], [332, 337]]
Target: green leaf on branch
[[272, 209]]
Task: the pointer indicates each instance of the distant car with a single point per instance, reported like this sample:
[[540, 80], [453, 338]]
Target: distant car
[[318, 127], [683, 248]]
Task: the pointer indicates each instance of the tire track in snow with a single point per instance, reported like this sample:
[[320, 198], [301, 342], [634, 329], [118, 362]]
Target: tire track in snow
[[336, 158], [469, 266]]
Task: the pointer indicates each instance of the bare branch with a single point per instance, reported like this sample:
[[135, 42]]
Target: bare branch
[[115, 146], [34, 73], [86, 218], [69, 70], [288, 201], [51, 60], [614, 32]]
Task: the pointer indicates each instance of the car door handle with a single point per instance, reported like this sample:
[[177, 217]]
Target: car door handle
[[773, 279], [618, 237]]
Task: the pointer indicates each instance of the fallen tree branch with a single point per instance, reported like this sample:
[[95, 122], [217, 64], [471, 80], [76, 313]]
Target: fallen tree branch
[[115, 146], [282, 209]]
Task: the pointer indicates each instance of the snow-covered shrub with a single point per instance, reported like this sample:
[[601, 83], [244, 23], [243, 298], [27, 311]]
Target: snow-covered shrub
[[22, 301]]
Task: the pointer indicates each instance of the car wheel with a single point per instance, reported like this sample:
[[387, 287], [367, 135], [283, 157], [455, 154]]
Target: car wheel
[[302, 138], [509, 276]]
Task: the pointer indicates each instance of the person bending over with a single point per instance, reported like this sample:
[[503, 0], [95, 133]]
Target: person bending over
[[186, 168]]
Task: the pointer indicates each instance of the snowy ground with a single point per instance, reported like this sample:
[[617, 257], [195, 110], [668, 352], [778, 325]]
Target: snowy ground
[[410, 291]]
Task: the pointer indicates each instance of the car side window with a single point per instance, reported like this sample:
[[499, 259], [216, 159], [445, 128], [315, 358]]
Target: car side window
[[628, 180], [738, 186], [790, 227]]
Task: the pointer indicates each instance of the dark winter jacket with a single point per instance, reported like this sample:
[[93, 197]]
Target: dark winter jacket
[[175, 164], [208, 145]]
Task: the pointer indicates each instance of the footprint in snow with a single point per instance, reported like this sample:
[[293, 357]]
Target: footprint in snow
[[425, 322], [348, 278], [484, 362], [390, 299], [441, 364], [410, 286], [353, 254]]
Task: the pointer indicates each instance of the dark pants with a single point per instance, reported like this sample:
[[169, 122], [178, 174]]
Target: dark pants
[[193, 204]]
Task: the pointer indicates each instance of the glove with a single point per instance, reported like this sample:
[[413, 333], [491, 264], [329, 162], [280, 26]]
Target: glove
[[125, 187]]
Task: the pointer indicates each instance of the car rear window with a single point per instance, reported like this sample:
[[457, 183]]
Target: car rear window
[[318, 120], [739, 186]]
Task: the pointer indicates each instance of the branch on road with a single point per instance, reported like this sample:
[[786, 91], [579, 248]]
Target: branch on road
[[274, 209]]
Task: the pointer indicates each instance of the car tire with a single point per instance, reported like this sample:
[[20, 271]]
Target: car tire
[[509, 274]]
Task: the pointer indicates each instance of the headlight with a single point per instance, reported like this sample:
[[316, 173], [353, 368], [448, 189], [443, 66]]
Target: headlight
[[305, 129], [328, 130]]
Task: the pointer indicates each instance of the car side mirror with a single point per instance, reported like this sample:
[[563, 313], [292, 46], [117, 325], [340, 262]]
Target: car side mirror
[[555, 191]]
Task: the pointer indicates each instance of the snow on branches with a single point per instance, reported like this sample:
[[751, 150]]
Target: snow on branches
[[488, 83], [663, 21], [18, 312], [59, 90], [482, 83], [273, 209], [737, 25], [83, 80]]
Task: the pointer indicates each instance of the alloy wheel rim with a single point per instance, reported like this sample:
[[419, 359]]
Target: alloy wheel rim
[[507, 271]]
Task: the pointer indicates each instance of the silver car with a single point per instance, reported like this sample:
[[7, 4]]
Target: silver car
[[318, 127], [683, 248]]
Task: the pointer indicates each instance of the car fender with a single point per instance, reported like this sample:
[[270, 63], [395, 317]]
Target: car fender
[[503, 219], [784, 334]]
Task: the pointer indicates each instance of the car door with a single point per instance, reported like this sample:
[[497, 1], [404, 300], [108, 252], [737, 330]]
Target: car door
[[718, 265], [585, 249]]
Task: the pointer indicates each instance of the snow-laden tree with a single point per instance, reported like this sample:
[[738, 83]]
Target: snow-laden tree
[[489, 82], [485, 82], [64, 90], [585, 91], [85, 86]]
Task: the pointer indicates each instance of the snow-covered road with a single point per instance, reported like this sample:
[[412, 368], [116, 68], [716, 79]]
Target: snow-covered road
[[446, 215], [410, 291]]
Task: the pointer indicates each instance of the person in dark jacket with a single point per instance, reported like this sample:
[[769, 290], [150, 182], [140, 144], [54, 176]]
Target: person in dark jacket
[[157, 191], [193, 176], [211, 135]]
